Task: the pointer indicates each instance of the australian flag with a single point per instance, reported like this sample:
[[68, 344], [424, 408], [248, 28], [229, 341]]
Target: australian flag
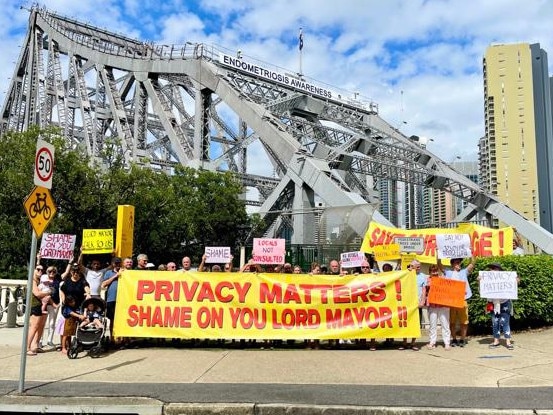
[[301, 40]]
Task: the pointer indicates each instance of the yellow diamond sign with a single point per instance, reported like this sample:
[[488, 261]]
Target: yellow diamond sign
[[40, 209]]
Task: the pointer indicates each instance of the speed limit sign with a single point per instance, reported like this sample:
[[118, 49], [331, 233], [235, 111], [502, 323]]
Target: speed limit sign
[[44, 164]]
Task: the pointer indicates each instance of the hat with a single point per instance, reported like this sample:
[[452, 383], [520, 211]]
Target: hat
[[116, 260], [44, 278], [495, 265], [74, 265], [150, 265]]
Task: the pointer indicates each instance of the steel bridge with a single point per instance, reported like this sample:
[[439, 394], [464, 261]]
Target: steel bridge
[[206, 107]]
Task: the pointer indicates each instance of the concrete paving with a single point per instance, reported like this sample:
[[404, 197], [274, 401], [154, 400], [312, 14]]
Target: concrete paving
[[212, 379]]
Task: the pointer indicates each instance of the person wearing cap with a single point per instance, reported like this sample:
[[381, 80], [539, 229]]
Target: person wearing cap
[[501, 315], [110, 282], [459, 315]]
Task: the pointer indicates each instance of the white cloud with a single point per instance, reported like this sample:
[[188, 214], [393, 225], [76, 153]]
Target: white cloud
[[430, 50]]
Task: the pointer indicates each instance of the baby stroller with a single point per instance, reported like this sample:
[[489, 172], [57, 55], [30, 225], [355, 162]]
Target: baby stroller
[[89, 337]]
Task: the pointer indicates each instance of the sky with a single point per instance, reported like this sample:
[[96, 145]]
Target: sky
[[420, 61]]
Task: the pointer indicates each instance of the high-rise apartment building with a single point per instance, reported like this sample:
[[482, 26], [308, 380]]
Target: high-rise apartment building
[[516, 153]]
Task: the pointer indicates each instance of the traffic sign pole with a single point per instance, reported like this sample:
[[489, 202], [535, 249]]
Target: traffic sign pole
[[23, 362]]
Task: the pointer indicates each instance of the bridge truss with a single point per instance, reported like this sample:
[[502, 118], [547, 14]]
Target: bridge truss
[[203, 107]]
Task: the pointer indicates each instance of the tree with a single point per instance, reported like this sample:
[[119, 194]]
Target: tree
[[174, 214]]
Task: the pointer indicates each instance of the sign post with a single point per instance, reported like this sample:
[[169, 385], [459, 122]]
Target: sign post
[[40, 210]]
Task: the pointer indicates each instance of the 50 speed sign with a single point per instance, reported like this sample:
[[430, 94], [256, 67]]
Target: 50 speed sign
[[44, 164]]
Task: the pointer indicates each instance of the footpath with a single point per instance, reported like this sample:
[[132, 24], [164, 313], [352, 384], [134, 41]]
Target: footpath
[[211, 379]]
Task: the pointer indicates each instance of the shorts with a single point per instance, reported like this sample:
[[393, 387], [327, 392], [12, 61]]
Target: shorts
[[460, 315], [110, 310], [36, 310], [70, 326]]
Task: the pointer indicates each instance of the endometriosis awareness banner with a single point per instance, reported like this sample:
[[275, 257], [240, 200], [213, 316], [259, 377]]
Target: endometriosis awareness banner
[[266, 306]]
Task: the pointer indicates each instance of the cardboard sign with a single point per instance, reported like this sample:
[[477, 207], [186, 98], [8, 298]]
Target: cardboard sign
[[97, 241], [446, 292], [406, 260], [352, 259], [452, 245], [498, 284], [385, 252], [410, 244], [217, 254], [268, 251], [57, 246]]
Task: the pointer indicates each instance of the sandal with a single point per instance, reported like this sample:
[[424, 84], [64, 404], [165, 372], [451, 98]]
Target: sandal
[[510, 347], [494, 345], [31, 353], [415, 348], [431, 346]]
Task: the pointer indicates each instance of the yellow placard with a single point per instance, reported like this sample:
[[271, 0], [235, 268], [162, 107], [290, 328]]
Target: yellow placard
[[386, 252], [484, 241], [406, 259], [266, 306], [125, 231], [97, 241]]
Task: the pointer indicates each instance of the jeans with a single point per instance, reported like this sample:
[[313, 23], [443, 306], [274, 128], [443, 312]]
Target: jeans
[[502, 321]]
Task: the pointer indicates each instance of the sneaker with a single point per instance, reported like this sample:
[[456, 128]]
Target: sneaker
[[462, 343], [51, 344], [453, 342]]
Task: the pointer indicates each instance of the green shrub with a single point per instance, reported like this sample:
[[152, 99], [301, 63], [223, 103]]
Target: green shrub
[[534, 306]]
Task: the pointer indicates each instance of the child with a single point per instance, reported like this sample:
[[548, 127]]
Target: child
[[93, 316], [71, 315], [437, 312], [45, 286]]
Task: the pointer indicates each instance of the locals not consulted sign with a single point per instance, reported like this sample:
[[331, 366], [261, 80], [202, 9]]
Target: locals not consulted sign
[[44, 164]]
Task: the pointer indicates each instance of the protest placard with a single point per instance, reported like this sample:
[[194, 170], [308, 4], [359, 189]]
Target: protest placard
[[446, 292], [410, 244], [498, 284], [217, 254], [452, 245], [57, 246], [406, 260], [97, 241], [385, 252], [269, 251], [352, 259]]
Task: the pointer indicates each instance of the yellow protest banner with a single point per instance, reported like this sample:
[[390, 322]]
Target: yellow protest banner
[[125, 231], [484, 241], [446, 292], [385, 252], [97, 241], [266, 306]]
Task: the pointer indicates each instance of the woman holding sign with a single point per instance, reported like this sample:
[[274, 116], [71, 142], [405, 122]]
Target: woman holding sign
[[437, 312], [501, 311]]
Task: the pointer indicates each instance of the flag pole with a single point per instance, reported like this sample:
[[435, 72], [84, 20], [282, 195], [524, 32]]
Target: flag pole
[[300, 40]]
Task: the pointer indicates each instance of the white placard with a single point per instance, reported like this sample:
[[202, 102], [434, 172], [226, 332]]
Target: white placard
[[269, 251], [453, 245], [217, 254], [498, 284], [57, 246], [410, 244], [44, 164], [352, 259]]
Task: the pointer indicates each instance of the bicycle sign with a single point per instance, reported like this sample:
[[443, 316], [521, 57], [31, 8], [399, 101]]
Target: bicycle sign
[[44, 164], [40, 209]]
